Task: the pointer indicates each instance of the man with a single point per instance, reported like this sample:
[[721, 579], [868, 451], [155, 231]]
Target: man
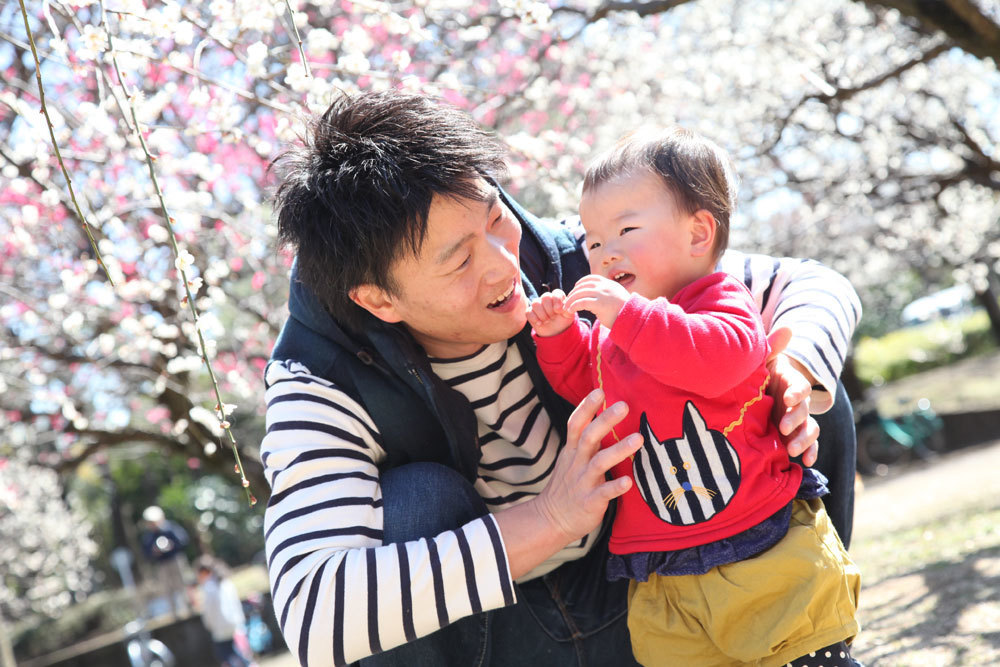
[[433, 500]]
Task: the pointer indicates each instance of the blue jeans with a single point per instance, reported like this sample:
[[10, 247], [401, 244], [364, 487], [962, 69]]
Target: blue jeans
[[573, 615], [838, 459]]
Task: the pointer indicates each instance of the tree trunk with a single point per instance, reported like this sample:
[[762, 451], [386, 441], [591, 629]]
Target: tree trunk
[[6, 649], [988, 300], [852, 383]]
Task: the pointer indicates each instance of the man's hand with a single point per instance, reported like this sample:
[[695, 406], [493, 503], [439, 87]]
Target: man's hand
[[790, 387], [577, 495], [598, 295], [547, 315]]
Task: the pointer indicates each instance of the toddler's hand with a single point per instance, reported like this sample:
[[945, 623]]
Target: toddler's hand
[[601, 296], [547, 315]]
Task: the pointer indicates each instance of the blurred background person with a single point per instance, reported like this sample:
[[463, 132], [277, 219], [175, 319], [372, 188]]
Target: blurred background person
[[163, 544], [222, 612]]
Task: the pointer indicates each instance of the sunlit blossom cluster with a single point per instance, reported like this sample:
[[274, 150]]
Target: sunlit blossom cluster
[[46, 547]]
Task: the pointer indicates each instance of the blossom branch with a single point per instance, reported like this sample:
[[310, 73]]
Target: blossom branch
[[182, 263], [55, 144], [295, 29]]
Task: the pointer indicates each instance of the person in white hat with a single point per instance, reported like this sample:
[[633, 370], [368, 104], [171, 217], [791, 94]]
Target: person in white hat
[[163, 544]]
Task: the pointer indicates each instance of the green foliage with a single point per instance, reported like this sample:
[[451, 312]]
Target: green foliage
[[211, 508], [884, 302], [913, 349]]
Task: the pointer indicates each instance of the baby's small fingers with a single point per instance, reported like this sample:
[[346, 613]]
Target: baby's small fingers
[[557, 294], [537, 310], [554, 301], [549, 304]]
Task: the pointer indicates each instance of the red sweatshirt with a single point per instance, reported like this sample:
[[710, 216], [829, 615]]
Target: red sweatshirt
[[692, 372]]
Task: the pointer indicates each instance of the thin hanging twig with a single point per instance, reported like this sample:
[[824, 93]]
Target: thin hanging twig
[[55, 145]]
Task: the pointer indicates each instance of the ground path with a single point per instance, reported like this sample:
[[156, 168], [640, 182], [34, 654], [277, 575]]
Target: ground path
[[928, 544]]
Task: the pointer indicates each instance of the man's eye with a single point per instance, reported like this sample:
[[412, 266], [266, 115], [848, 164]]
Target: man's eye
[[626, 229]]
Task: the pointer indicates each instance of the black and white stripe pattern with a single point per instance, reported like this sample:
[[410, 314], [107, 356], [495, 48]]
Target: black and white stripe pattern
[[517, 439], [818, 304], [338, 593], [689, 479]]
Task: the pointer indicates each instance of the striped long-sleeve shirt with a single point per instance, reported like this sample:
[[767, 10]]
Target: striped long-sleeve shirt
[[339, 593], [819, 305]]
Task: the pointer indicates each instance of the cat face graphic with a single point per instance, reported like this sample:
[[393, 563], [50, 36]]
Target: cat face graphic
[[686, 480]]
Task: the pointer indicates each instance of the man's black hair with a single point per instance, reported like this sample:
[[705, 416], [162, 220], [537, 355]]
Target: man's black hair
[[355, 196]]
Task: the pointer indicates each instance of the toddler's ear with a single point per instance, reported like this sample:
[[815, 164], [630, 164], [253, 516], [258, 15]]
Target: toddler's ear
[[703, 227]]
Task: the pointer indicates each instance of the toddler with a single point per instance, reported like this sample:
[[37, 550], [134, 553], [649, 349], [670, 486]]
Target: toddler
[[731, 556]]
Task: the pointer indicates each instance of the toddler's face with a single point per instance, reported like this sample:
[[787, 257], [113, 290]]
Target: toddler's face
[[639, 237]]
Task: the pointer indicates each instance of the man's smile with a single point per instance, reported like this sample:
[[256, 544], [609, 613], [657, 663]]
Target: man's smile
[[505, 299]]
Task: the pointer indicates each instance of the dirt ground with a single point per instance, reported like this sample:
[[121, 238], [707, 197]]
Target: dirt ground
[[927, 540]]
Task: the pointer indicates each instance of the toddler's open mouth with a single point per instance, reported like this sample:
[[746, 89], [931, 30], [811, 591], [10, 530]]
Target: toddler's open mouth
[[623, 277]]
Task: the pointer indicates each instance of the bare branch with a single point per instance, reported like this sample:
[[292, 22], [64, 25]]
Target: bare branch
[[964, 23], [842, 94]]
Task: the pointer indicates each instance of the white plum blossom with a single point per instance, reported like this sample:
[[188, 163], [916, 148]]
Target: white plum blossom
[[183, 34], [401, 59], [320, 42], [199, 97], [93, 42], [354, 62], [184, 261], [398, 25], [356, 40], [45, 543], [221, 8], [296, 78], [256, 55]]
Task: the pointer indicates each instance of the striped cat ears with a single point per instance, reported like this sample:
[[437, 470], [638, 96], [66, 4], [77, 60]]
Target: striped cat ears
[[692, 423]]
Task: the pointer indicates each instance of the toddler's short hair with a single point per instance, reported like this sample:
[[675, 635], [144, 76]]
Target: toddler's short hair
[[696, 171]]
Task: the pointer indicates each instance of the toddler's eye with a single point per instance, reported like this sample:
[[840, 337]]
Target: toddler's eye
[[594, 246], [626, 229]]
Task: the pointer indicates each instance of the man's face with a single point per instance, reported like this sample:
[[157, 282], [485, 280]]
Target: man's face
[[463, 289]]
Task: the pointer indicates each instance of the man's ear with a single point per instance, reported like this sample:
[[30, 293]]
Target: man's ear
[[376, 301], [703, 228]]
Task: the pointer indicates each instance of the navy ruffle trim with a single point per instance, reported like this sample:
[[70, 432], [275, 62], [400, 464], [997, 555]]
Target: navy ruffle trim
[[700, 559]]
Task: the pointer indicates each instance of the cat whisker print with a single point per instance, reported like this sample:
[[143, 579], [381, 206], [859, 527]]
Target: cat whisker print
[[671, 499], [686, 480]]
